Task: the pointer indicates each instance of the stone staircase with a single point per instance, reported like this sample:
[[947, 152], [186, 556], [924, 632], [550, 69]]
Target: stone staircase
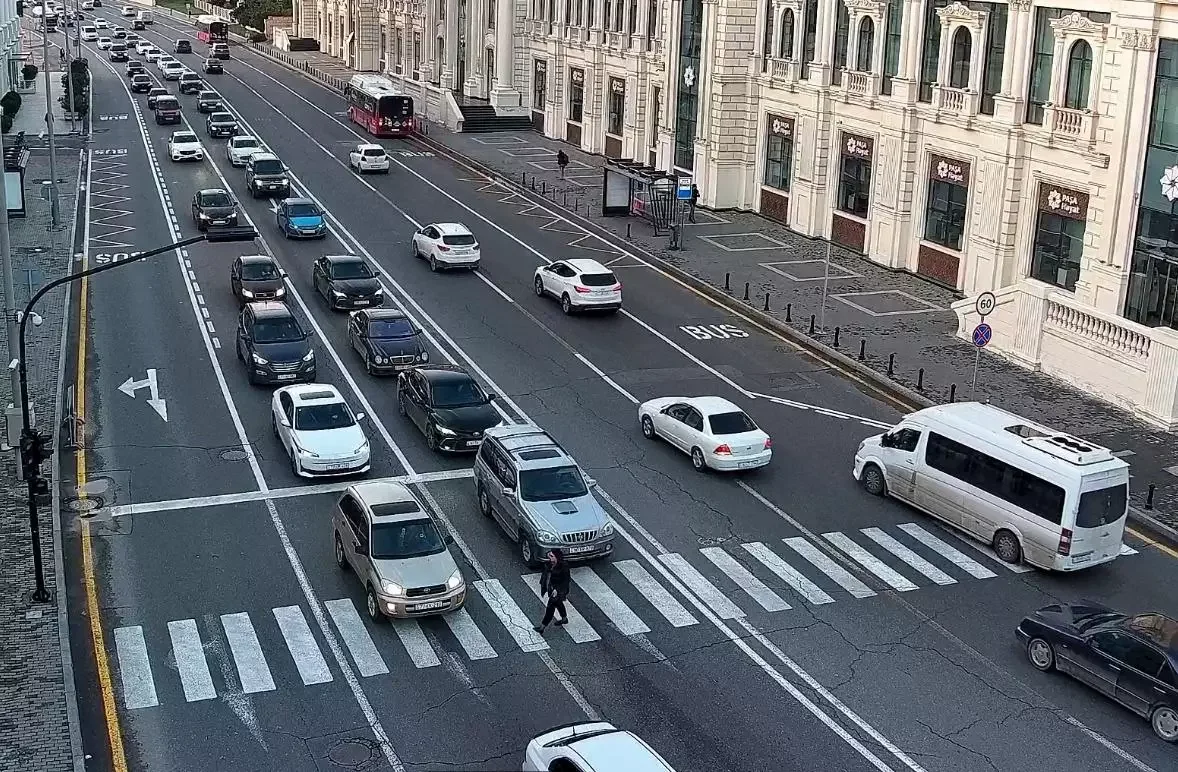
[[480, 118]]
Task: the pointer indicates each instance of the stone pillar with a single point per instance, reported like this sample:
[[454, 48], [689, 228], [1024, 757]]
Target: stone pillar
[[906, 83], [636, 42], [1009, 106], [474, 48], [504, 94], [450, 65], [821, 67]]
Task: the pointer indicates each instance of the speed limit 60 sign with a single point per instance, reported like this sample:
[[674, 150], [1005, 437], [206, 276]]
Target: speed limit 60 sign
[[985, 304]]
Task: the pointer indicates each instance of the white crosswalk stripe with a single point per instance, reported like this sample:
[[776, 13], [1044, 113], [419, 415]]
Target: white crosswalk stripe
[[945, 550], [787, 573], [652, 589], [619, 614], [892, 578], [135, 668], [191, 664], [469, 636], [744, 579], [301, 644], [577, 628], [252, 670], [355, 636], [881, 538], [705, 590], [513, 619], [415, 643], [823, 563]]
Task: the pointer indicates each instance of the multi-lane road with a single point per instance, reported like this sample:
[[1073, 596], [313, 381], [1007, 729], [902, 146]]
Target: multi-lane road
[[732, 628]]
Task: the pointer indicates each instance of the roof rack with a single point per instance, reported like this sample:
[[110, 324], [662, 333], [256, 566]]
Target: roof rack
[[1071, 449]]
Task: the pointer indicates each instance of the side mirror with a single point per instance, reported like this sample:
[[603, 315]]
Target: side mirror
[[887, 441], [282, 274], [448, 538], [590, 482], [284, 421], [360, 416], [508, 491], [491, 398]]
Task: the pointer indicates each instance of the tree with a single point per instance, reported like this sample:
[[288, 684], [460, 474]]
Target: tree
[[10, 103], [253, 13], [5, 123]]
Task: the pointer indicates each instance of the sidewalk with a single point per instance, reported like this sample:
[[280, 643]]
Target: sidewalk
[[31, 117], [885, 311], [39, 719]]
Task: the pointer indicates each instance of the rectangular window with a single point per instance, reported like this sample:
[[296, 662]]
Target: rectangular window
[[539, 83], [944, 215], [931, 54], [809, 34], [609, 13], [619, 12], [416, 53], [490, 14], [633, 24], [384, 47], [1059, 245], [577, 17], [652, 20], [1043, 55], [576, 94], [842, 36], [895, 26], [656, 110], [855, 186], [779, 153], [995, 54], [617, 106], [690, 67]]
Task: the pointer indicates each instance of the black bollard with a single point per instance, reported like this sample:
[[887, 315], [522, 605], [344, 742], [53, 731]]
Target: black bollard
[[920, 379], [891, 364], [727, 282], [789, 309], [766, 308], [566, 204], [746, 291], [1149, 496], [543, 188], [577, 205], [811, 324], [836, 337], [953, 392], [523, 179], [862, 349], [627, 230], [533, 183]]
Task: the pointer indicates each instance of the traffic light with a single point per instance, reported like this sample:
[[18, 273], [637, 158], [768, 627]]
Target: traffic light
[[34, 448]]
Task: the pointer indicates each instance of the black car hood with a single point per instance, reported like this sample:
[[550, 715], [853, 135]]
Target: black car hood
[[269, 175], [1074, 617], [218, 211], [473, 418], [261, 285], [224, 122], [358, 287], [283, 352], [395, 347]]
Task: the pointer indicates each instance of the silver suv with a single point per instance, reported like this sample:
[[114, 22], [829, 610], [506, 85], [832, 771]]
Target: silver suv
[[538, 495]]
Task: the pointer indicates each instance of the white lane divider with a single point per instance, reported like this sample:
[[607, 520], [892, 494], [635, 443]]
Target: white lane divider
[[819, 560], [954, 556], [300, 642], [880, 537], [658, 596], [894, 579], [355, 636], [788, 574], [744, 579]]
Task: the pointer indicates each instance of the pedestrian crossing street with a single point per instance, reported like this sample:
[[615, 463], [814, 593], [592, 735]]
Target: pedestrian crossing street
[[901, 558]]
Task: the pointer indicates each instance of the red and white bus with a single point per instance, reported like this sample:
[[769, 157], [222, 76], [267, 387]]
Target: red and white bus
[[210, 29], [379, 106]]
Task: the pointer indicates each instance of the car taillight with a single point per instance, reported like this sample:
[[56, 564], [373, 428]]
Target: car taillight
[[768, 443], [443, 248], [1065, 542], [723, 450], [582, 290], [618, 287]]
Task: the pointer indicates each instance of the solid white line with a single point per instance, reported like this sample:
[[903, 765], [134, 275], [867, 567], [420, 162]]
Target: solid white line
[[1141, 766], [954, 556], [703, 589], [510, 615], [135, 668], [415, 643], [880, 537], [620, 615], [355, 636], [300, 642], [577, 628], [191, 664], [252, 669], [473, 642], [745, 580], [787, 573], [891, 577], [1127, 550], [985, 549], [787, 517], [650, 588], [827, 566]]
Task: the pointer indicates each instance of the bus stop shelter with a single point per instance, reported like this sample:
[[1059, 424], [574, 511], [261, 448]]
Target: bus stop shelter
[[634, 189]]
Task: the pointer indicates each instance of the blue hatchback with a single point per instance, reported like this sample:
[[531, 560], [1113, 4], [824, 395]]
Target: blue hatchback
[[301, 218]]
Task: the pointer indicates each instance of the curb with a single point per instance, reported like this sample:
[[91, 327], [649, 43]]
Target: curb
[[1154, 527]]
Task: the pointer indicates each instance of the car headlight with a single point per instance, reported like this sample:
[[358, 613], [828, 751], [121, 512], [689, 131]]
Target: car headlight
[[246, 293], [392, 588], [280, 292], [304, 452], [309, 356], [444, 431], [337, 293], [423, 356], [607, 529], [548, 537], [284, 181], [455, 580], [379, 360], [202, 215], [259, 360]]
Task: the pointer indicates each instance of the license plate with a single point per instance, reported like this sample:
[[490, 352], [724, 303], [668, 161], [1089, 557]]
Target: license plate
[[336, 466], [362, 302], [1082, 558], [580, 550], [431, 605], [218, 222], [472, 443], [747, 464], [287, 377]]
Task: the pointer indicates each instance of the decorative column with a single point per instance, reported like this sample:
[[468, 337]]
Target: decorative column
[[504, 94], [906, 83], [450, 67], [598, 23], [707, 61], [1009, 106], [638, 39], [474, 47], [822, 65]]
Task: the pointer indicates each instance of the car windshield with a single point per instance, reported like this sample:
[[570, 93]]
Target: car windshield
[[1101, 507], [183, 137], [215, 199], [221, 118], [553, 484], [168, 103], [208, 95], [406, 539], [459, 240], [242, 143], [316, 418], [268, 166], [351, 270], [731, 423], [598, 279], [277, 331], [457, 394], [190, 76], [259, 271], [156, 91], [303, 210], [391, 328]]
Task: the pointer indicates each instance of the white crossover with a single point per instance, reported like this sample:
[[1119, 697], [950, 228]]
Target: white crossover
[[173, 70], [319, 431], [165, 60], [447, 245], [104, 44], [716, 434], [185, 146], [592, 747], [142, 47], [579, 285], [89, 34], [154, 54], [102, 24], [128, 10], [239, 149], [369, 158]]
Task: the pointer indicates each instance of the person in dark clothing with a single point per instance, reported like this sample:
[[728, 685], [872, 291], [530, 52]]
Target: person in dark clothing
[[694, 202], [554, 586]]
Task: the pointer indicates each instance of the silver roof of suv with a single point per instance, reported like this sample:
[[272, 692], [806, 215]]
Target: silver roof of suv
[[530, 446]]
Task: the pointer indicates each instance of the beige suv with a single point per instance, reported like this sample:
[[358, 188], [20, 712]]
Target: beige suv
[[397, 551]]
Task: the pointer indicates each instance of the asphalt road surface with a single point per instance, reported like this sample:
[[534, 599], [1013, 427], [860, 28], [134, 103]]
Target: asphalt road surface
[[728, 630]]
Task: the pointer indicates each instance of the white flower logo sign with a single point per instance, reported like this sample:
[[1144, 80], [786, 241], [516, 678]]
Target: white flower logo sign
[[689, 76], [778, 126], [1170, 183], [850, 146], [1054, 199], [942, 169]]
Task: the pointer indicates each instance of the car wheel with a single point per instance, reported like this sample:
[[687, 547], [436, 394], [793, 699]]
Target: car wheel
[[538, 286], [527, 551], [647, 428], [1164, 721], [372, 606], [872, 480], [240, 357], [1007, 548], [566, 305], [698, 461], [431, 438], [433, 263], [368, 367], [294, 465], [340, 559], [484, 501], [1041, 654], [250, 376]]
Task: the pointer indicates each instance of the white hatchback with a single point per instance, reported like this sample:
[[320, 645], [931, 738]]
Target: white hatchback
[[185, 146], [102, 24], [154, 54], [579, 285], [594, 746], [368, 157], [142, 47], [319, 431], [163, 60], [447, 245], [128, 10], [716, 434]]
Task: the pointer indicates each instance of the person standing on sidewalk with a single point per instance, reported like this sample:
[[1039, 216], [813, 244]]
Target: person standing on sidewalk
[[554, 586], [694, 201]]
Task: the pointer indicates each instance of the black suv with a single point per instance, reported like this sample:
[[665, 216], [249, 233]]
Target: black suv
[[346, 281], [221, 125], [265, 175], [273, 345], [386, 339], [213, 207], [190, 83], [182, 47], [209, 102], [449, 406], [167, 110], [212, 65]]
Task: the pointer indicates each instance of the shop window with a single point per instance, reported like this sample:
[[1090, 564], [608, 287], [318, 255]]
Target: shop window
[[576, 95], [809, 32], [779, 151], [944, 214], [855, 186], [1059, 245], [842, 35], [539, 84], [892, 35], [959, 56], [786, 44], [863, 61], [1079, 76]]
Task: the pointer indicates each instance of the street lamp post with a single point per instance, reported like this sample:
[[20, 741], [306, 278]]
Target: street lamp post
[[33, 443]]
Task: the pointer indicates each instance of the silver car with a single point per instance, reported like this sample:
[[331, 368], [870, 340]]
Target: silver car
[[536, 492], [397, 551]]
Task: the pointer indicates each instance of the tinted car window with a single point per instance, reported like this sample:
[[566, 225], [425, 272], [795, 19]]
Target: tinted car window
[[302, 210], [259, 271], [457, 394], [598, 279], [266, 166], [311, 418], [407, 539], [277, 331], [553, 484], [215, 199], [459, 240], [731, 423], [1102, 507], [215, 117], [391, 328], [374, 153], [245, 143], [356, 270], [186, 137], [167, 104], [395, 508]]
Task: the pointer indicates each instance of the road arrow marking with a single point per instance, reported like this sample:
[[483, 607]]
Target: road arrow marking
[[130, 386]]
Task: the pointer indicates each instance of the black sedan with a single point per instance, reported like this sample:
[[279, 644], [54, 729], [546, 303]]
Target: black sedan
[[135, 66], [449, 406], [141, 83], [221, 124], [347, 281], [257, 277], [1132, 660], [386, 340], [154, 94], [190, 83], [213, 207], [213, 66]]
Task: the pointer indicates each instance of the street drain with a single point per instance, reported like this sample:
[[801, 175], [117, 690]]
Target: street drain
[[355, 753], [87, 505], [234, 455]]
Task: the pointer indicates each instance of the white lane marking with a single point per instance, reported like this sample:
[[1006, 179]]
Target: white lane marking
[[819, 560], [947, 551], [891, 577], [415, 643], [301, 643], [1141, 766], [703, 589], [355, 636], [510, 615], [828, 412], [135, 668], [1127, 550], [252, 669], [191, 664], [620, 615], [986, 550], [651, 589], [787, 517], [577, 628], [745, 580], [880, 537], [226, 499], [469, 636], [788, 574]]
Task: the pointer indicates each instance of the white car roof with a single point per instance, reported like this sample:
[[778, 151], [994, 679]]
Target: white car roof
[[313, 393], [369, 146], [712, 405], [237, 140], [585, 265], [452, 229], [184, 136]]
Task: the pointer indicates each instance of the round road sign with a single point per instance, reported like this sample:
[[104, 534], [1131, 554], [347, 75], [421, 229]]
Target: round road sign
[[985, 304], [982, 334]]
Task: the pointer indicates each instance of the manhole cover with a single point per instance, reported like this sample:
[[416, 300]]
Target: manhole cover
[[234, 455], [84, 505], [351, 753]]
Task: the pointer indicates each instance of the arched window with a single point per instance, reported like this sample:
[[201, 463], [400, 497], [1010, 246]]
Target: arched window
[[842, 34], [959, 58], [866, 45], [1079, 76], [786, 42]]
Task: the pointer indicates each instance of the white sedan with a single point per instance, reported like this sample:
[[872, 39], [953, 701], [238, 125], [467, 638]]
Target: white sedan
[[128, 10], [163, 60], [104, 44], [102, 24], [592, 747], [717, 434], [173, 70], [369, 158], [185, 146], [239, 149], [579, 285], [319, 431], [153, 54], [447, 245], [142, 47]]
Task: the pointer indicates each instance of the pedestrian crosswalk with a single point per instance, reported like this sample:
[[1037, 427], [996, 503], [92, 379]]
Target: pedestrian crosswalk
[[619, 598]]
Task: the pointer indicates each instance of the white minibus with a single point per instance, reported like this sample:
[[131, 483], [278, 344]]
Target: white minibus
[[1034, 494]]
